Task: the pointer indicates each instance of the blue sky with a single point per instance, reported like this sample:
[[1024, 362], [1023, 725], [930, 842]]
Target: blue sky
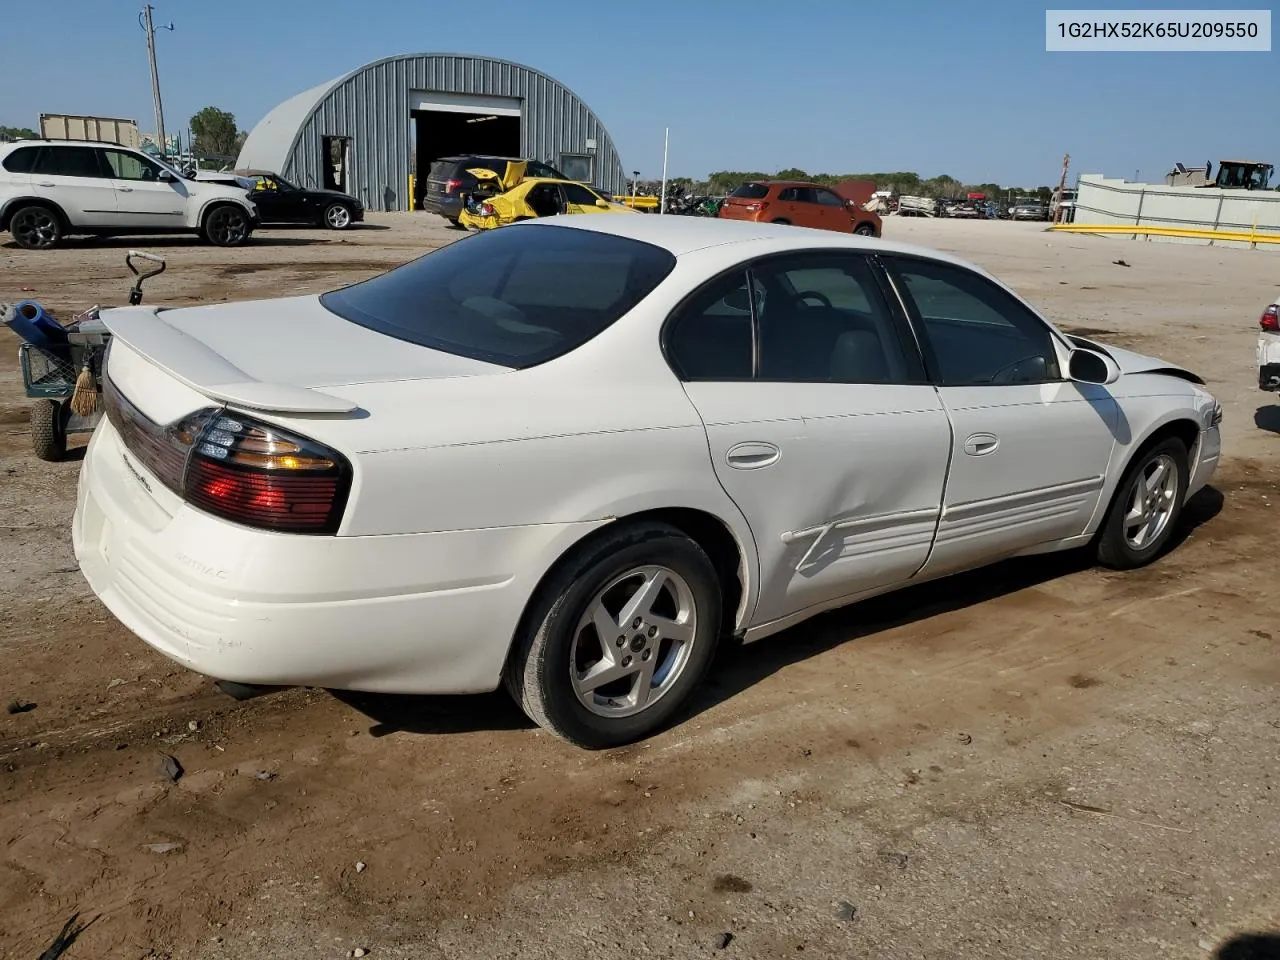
[[934, 86]]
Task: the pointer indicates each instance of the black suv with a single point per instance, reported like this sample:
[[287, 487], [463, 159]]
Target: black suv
[[448, 181]]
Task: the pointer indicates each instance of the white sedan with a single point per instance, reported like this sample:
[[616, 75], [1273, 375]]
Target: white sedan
[[571, 454]]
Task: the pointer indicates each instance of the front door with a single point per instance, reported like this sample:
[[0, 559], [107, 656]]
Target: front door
[[281, 202], [142, 197], [75, 179], [820, 422], [1031, 448]]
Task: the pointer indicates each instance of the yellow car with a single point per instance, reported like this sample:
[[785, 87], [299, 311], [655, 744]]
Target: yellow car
[[515, 197]]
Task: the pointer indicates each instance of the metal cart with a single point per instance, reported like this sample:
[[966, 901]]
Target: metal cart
[[49, 374]]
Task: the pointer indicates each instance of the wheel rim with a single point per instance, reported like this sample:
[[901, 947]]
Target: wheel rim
[[35, 228], [633, 642], [338, 217], [1152, 499], [227, 226]]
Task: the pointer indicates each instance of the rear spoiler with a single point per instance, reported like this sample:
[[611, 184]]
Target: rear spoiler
[[186, 359]]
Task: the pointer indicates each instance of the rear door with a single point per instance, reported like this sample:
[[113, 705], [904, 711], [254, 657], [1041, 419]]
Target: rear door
[[76, 179], [821, 424], [142, 198]]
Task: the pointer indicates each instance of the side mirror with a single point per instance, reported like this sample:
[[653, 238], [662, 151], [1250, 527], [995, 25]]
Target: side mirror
[[1089, 366], [165, 177], [602, 204]]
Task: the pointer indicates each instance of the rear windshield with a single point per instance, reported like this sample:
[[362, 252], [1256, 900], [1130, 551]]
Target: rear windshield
[[751, 191], [516, 296]]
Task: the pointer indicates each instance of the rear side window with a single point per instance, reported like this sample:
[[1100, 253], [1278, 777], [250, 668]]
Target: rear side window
[[69, 162], [517, 297], [751, 191], [22, 160]]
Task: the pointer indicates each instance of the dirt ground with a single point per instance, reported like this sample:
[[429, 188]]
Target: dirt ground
[[1039, 759]]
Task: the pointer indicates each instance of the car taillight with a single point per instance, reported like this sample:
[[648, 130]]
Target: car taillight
[[1271, 319], [487, 210], [452, 185], [262, 476], [236, 467], [758, 205]]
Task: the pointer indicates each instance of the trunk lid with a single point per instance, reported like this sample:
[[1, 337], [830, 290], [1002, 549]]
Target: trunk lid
[[289, 355]]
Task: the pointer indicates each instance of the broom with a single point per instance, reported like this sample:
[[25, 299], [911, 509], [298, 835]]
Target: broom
[[85, 398]]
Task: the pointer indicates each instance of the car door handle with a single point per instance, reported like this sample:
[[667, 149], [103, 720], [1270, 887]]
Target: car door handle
[[125, 189], [752, 455], [45, 183], [981, 444]]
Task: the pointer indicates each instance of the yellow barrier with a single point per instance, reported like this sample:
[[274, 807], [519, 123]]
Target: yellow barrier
[[1239, 236]]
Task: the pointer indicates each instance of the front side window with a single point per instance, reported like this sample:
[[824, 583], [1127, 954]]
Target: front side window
[[829, 199], [977, 333], [516, 297], [131, 166], [69, 162], [576, 193]]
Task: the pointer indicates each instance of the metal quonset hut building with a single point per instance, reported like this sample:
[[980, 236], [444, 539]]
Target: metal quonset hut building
[[359, 132]]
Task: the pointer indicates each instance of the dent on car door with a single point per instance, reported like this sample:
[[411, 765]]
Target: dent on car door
[[820, 423], [1031, 449]]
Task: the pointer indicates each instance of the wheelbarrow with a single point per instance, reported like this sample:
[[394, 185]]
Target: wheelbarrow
[[58, 361]]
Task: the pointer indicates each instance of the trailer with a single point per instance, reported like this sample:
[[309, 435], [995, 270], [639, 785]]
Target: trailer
[[65, 126]]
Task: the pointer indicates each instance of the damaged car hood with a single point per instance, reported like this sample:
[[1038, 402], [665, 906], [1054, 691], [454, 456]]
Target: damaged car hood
[[1131, 362]]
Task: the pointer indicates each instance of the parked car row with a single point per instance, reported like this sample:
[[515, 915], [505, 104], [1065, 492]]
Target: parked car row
[[51, 189]]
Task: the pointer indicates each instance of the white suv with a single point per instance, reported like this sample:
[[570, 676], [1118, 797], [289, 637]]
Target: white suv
[[52, 188]]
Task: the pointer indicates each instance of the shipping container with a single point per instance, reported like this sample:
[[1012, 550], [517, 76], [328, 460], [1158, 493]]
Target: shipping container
[[62, 126]]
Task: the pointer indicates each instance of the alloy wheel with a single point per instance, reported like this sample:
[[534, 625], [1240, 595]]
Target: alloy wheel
[[1152, 500], [633, 642], [35, 228]]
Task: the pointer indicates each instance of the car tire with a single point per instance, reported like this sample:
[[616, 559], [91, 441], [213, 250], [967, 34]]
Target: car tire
[[337, 216], [865, 230], [226, 225], [36, 227], [49, 429], [1146, 507], [669, 640]]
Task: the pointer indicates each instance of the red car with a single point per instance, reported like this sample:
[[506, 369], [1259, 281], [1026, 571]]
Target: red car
[[803, 204]]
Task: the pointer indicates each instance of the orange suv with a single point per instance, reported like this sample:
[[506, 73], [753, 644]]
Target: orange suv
[[803, 204]]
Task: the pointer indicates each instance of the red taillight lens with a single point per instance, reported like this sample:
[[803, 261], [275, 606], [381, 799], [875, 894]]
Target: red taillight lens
[[236, 467], [1271, 319], [452, 185], [487, 209], [260, 475]]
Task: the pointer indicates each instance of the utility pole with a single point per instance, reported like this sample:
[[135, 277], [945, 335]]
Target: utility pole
[[1062, 185], [149, 28], [666, 140]]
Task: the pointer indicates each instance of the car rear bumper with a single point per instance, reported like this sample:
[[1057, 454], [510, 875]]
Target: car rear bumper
[[1269, 361], [448, 206], [415, 613]]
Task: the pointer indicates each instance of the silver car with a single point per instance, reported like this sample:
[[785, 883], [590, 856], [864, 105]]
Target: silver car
[[1029, 210]]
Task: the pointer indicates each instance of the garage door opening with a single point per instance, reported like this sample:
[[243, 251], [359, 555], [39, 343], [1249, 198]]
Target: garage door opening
[[452, 124]]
